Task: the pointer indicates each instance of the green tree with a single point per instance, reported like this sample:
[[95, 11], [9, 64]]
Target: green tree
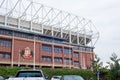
[[96, 65], [114, 67]]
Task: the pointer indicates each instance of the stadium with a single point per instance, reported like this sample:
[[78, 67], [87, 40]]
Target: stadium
[[35, 35]]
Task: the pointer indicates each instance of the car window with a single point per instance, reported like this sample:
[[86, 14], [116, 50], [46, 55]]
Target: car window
[[56, 77], [29, 74], [73, 78]]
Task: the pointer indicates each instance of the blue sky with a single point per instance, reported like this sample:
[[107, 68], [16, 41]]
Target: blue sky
[[105, 14]]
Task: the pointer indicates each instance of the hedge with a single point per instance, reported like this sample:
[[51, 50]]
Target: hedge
[[86, 74]]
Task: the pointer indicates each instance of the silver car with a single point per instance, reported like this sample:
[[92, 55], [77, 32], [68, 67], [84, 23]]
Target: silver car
[[1, 78], [71, 77]]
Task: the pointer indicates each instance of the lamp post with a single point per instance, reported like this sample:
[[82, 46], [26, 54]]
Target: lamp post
[[69, 56], [98, 73]]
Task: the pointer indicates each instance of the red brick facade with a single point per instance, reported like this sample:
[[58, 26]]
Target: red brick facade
[[19, 44]]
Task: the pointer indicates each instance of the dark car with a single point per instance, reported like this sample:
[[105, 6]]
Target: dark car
[[56, 77], [71, 77]]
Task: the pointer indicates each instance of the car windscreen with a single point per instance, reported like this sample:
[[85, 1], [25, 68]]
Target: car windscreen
[[29, 74], [73, 78]]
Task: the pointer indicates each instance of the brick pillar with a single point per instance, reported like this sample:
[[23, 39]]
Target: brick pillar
[[53, 62]]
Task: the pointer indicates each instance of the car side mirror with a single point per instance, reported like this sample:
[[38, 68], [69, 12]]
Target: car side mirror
[[46, 77]]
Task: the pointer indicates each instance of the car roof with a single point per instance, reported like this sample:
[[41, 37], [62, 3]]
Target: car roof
[[72, 76], [29, 70], [56, 76]]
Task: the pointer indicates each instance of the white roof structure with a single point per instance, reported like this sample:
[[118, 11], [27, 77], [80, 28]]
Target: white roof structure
[[35, 17]]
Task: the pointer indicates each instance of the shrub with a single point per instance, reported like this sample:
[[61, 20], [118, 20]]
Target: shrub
[[86, 74]]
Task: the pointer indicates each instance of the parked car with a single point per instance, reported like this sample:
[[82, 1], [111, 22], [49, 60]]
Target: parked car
[[28, 75], [1, 78], [56, 77], [71, 77]]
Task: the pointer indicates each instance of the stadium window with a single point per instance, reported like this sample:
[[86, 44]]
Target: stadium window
[[46, 58], [48, 40], [5, 32], [67, 51], [67, 60], [58, 41], [41, 38], [1, 55], [7, 55], [82, 48], [24, 35], [45, 39], [58, 59], [89, 49], [4, 55], [76, 62], [5, 43], [76, 54], [47, 48], [76, 48], [57, 49]]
